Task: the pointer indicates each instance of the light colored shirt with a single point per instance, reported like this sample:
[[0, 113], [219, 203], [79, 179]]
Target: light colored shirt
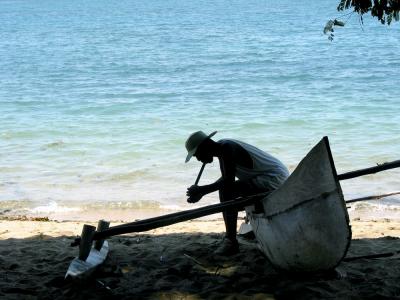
[[267, 172]]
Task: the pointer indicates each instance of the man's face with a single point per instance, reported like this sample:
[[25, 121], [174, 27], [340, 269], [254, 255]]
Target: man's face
[[203, 155]]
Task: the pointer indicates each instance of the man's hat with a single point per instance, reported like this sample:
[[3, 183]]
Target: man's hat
[[194, 141]]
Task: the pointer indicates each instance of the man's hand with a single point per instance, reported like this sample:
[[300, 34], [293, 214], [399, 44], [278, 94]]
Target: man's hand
[[194, 193]]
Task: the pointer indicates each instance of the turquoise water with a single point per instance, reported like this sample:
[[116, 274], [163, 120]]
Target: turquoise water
[[98, 97]]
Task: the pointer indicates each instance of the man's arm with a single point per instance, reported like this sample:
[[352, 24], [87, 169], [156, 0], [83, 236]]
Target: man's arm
[[195, 192], [210, 188], [228, 168]]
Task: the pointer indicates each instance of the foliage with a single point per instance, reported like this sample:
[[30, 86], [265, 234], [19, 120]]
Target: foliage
[[385, 10]]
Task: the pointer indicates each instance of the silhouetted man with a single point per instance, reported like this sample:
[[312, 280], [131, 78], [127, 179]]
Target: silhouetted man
[[256, 170]]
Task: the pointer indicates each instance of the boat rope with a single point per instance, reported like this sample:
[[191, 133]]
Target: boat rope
[[324, 195]]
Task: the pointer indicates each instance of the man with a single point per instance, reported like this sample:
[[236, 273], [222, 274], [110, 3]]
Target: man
[[256, 170]]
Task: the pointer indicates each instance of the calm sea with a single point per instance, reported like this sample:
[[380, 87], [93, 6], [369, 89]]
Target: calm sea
[[98, 97]]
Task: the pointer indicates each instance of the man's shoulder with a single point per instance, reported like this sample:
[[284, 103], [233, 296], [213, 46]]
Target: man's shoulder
[[232, 146], [229, 143], [234, 149]]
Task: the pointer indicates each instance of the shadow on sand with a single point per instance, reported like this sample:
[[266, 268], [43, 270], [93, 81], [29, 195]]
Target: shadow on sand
[[182, 266]]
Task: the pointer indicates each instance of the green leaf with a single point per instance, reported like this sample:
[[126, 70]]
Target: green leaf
[[396, 15]]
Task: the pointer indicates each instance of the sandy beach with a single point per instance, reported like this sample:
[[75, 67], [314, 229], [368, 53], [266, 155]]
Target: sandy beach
[[98, 100], [176, 262]]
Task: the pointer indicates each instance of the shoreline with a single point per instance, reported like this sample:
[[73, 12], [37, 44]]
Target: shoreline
[[359, 211]]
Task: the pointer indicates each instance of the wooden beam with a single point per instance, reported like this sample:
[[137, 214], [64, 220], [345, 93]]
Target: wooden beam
[[85, 244], [101, 226], [199, 175], [182, 216], [371, 170], [376, 197], [174, 218]]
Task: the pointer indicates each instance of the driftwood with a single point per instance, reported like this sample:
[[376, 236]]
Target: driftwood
[[371, 170]]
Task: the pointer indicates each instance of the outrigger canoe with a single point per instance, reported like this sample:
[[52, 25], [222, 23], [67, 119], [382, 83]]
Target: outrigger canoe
[[304, 225], [301, 227]]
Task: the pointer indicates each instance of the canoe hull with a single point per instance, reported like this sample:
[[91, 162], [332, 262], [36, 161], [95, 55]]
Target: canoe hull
[[79, 269], [304, 226]]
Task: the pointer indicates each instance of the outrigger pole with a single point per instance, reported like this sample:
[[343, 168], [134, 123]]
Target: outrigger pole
[[169, 219], [165, 220], [371, 170], [90, 257], [375, 197]]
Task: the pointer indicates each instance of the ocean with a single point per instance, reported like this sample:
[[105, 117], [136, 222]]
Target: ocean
[[98, 97]]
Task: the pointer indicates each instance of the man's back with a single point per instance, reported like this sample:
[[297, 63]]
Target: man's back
[[264, 164]]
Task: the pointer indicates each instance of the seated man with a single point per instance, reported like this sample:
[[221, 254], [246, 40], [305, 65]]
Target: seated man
[[256, 170]]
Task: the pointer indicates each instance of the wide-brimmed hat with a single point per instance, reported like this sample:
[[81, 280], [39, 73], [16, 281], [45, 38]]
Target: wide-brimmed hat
[[194, 141]]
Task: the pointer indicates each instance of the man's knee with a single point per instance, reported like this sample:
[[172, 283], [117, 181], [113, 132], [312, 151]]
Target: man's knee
[[245, 188], [223, 195]]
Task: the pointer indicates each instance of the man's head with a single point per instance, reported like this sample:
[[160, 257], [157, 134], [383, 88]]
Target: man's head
[[195, 146]]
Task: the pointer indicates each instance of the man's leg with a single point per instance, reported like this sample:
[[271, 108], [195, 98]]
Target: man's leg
[[230, 218], [241, 188], [230, 245]]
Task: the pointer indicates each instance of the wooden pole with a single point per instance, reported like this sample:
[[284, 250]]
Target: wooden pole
[[201, 172], [376, 197], [165, 220], [371, 170], [102, 225], [174, 218], [85, 244]]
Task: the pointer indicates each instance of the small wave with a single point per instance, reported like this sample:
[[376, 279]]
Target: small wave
[[128, 176], [139, 204], [254, 125], [13, 205], [374, 211], [53, 207], [376, 207], [53, 145], [171, 207]]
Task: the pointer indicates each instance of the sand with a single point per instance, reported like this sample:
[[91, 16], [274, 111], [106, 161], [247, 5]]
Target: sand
[[176, 262]]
